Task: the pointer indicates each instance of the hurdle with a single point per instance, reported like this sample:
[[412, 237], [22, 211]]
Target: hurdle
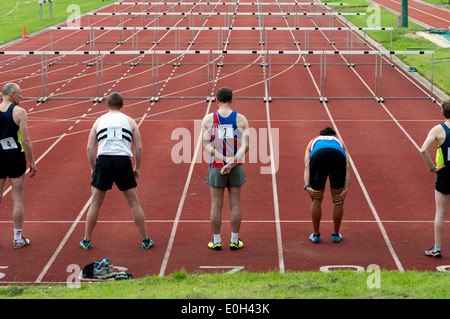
[[220, 33], [226, 15], [265, 56], [41, 2]]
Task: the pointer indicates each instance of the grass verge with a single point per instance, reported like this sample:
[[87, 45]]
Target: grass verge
[[14, 15], [345, 284], [404, 39]]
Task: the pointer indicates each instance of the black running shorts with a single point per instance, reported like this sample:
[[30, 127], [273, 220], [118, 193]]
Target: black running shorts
[[113, 169], [443, 181], [13, 164], [325, 163]]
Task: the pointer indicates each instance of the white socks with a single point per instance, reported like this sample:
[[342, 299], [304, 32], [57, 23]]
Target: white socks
[[234, 238], [17, 234]]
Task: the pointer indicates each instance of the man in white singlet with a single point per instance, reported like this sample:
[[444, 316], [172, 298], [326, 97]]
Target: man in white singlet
[[114, 132]]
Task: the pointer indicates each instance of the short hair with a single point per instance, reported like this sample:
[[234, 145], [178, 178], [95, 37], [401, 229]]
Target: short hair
[[115, 101], [9, 87], [328, 131], [224, 95], [446, 109]]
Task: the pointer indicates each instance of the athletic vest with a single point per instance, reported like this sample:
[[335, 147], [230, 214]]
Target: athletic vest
[[225, 136], [443, 152], [114, 135], [9, 131], [325, 141]]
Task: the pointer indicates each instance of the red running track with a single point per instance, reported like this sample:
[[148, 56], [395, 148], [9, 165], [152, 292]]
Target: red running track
[[389, 210]]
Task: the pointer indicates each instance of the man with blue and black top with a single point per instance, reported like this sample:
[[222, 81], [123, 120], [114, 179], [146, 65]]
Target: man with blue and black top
[[326, 157], [15, 148]]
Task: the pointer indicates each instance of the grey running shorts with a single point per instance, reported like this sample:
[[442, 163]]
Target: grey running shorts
[[236, 177]]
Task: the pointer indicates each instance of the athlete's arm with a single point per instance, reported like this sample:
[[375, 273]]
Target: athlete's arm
[[243, 149], [208, 147], [91, 146], [22, 120], [138, 150], [432, 138]]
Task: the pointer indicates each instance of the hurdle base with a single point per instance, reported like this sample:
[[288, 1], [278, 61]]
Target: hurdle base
[[323, 99]]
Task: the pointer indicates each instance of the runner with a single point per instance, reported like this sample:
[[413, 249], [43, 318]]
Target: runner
[[326, 156], [222, 131], [15, 148], [114, 132]]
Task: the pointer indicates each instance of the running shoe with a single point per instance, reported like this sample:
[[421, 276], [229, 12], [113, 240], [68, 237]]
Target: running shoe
[[86, 245], [217, 246], [21, 242], [147, 244], [237, 246], [433, 253], [336, 237], [314, 238]]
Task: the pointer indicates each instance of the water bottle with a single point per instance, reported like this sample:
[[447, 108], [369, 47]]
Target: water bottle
[[102, 264]]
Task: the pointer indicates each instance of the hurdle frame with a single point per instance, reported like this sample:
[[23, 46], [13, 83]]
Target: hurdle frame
[[266, 63]]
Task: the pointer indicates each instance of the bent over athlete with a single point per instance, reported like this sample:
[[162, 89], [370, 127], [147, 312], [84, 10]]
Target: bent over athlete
[[326, 156], [114, 132]]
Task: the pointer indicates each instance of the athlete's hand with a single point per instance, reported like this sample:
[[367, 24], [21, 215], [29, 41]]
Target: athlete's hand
[[314, 194], [33, 169], [339, 198], [136, 173], [438, 168], [227, 168]]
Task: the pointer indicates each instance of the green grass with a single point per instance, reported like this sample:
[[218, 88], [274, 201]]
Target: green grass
[[345, 284], [27, 14], [404, 39]]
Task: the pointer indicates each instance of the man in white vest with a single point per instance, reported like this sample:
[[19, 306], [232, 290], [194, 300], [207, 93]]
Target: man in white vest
[[114, 132]]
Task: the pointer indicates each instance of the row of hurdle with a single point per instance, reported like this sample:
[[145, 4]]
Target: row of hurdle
[[209, 61]]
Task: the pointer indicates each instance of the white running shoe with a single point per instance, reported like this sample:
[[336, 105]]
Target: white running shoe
[[21, 243]]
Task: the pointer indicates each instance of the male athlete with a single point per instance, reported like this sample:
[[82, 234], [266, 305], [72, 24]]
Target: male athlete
[[15, 145], [223, 131], [439, 135], [114, 132], [326, 157]]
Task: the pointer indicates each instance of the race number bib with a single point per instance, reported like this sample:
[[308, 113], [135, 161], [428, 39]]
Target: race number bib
[[8, 143], [114, 133], [225, 131]]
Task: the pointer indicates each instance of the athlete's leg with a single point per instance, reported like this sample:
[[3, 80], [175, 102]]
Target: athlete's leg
[[442, 201], [338, 209], [316, 211], [136, 209], [92, 216], [216, 208], [18, 185], [234, 194]]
